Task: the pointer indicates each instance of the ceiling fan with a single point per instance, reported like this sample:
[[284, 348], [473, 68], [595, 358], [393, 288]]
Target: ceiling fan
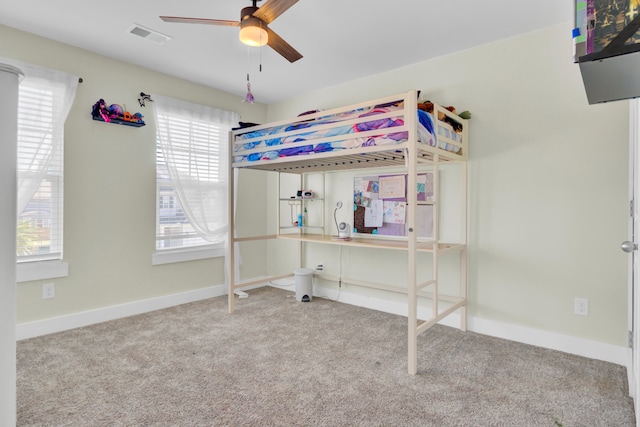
[[253, 23]]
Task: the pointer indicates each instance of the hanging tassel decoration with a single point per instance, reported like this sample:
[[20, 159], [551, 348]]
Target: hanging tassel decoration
[[249, 97]]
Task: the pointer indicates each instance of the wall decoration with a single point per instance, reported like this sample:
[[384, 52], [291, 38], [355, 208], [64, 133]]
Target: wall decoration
[[116, 114], [144, 97]]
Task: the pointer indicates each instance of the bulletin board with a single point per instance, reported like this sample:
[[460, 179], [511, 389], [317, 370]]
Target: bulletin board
[[380, 205]]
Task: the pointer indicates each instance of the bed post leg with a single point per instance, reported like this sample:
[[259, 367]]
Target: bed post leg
[[230, 255], [413, 352]]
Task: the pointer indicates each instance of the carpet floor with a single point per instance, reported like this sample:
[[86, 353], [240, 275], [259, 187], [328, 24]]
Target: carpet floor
[[278, 362]]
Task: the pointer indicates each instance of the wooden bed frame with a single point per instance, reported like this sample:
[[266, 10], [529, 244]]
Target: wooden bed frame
[[409, 157]]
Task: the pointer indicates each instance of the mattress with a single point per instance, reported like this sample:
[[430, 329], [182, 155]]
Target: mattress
[[364, 127]]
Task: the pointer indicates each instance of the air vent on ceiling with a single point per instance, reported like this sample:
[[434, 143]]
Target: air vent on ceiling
[[151, 35]]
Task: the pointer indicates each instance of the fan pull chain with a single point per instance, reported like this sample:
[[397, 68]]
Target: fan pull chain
[[261, 46]]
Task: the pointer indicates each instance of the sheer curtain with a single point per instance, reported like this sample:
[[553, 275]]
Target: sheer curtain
[[193, 139], [43, 145]]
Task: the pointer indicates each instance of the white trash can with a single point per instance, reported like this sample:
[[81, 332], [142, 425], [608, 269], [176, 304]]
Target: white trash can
[[304, 287]]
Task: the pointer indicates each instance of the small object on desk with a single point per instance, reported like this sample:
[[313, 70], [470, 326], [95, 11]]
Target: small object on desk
[[343, 230], [338, 206]]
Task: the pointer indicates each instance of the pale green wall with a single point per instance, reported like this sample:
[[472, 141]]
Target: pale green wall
[[547, 203], [109, 188], [547, 176]]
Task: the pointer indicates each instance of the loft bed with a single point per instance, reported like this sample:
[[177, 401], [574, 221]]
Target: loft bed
[[372, 134], [390, 132]]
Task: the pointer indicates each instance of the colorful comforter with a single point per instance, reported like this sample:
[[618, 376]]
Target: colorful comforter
[[302, 138]]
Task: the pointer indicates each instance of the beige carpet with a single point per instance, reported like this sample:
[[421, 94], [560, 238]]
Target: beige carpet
[[278, 362]]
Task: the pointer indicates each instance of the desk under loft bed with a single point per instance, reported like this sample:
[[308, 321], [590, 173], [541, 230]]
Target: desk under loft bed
[[390, 132]]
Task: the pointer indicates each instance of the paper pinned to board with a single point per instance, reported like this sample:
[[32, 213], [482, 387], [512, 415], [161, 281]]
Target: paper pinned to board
[[391, 187], [373, 214], [394, 212]]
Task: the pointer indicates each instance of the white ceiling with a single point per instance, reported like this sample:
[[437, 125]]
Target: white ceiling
[[340, 40]]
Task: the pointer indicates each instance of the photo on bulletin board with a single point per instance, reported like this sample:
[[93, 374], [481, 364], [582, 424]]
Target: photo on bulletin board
[[380, 204]]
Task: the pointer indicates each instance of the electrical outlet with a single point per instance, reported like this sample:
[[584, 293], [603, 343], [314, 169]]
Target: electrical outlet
[[320, 266], [48, 290], [581, 306]]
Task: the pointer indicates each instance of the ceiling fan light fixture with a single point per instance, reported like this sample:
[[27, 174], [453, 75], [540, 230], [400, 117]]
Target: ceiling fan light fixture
[[253, 23], [253, 32]]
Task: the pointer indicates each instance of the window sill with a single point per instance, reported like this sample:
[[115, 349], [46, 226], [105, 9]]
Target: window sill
[[41, 270], [190, 254]]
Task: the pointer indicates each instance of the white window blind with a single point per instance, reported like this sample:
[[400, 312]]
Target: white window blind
[[44, 99], [191, 173]]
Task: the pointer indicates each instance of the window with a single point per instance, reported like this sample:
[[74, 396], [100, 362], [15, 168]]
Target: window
[[44, 99], [40, 221], [173, 229], [191, 174]]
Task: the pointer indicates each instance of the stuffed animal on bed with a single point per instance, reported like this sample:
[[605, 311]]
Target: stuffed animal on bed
[[428, 107]]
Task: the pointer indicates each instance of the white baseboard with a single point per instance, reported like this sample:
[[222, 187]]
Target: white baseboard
[[90, 317], [579, 346], [592, 349]]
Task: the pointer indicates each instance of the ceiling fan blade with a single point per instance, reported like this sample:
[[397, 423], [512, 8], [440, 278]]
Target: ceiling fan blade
[[282, 47], [272, 9], [200, 21]]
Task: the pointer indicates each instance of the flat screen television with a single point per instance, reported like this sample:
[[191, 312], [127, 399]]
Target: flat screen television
[[607, 48]]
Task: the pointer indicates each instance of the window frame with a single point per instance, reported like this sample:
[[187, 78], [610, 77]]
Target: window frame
[[39, 96], [64, 86], [196, 122]]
